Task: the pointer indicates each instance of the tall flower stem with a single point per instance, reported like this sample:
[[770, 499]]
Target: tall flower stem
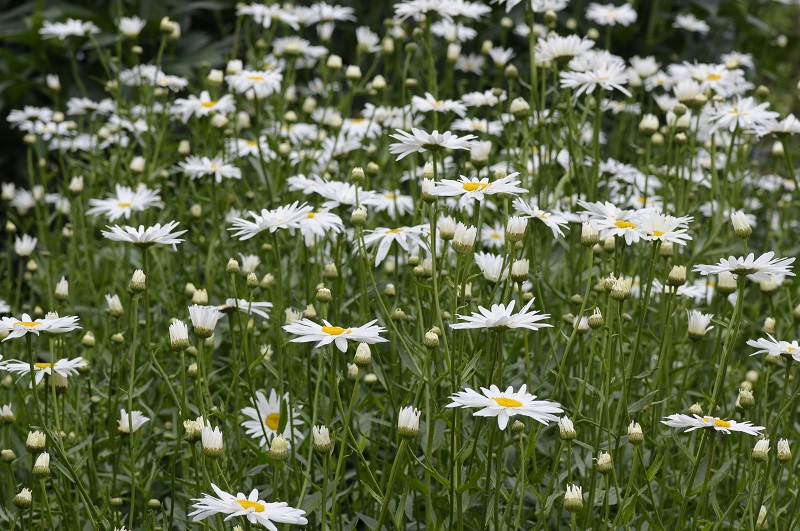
[[398, 460]]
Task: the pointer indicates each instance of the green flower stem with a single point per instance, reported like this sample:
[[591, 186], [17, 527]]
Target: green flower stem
[[398, 460]]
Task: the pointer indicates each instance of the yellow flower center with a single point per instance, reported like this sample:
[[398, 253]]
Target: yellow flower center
[[394, 231], [496, 236], [256, 78], [214, 167], [333, 330], [718, 422], [251, 142], [713, 77], [625, 224], [247, 504], [42, 365], [123, 205], [29, 324], [471, 187], [273, 420], [390, 196], [657, 233], [310, 215], [507, 402], [208, 104], [791, 349]]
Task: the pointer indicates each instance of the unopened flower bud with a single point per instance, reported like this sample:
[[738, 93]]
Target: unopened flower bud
[[635, 433], [604, 464], [784, 452], [363, 356], [760, 450], [138, 282]]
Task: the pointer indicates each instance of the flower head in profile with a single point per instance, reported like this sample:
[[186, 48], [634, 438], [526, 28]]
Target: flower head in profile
[[255, 510], [146, 237], [765, 267], [51, 323], [500, 317], [774, 347], [611, 15], [125, 202], [418, 141], [408, 238], [130, 423], [265, 419], [468, 189], [196, 167], [695, 422], [608, 75], [283, 217], [325, 334], [64, 367], [507, 404], [70, 28]]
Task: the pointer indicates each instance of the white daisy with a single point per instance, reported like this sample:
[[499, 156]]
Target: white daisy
[[196, 167], [64, 367], [70, 28], [696, 422], [251, 507], [145, 237], [318, 224], [24, 246], [409, 238], [691, 23], [283, 217], [51, 324], [130, 423], [507, 404], [765, 267], [774, 347], [611, 15], [470, 189], [499, 317], [555, 220], [430, 104], [266, 419], [608, 76], [325, 334], [260, 83], [202, 106], [419, 141], [125, 202]]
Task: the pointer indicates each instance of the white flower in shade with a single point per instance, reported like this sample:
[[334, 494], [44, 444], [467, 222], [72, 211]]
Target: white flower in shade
[[507, 404], [51, 324], [765, 267], [492, 236], [125, 202], [558, 48], [555, 220], [204, 319], [491, 265], [203, 106], [128, 424], [566, 429], [318, 224], [698, 323], [283, 217], [24, 246], [608, 76], [430, 103], [62, 289], [212, 441], [249, 263], [178, 335], [256, 511], [741, 225], [469, 189], [774, 347], [266, 419], [131, 26], [145, 237], [408, 422], [246, 306], [325, 334], [261, 83], [63, 367], [695, 422], [500, 317], [573, 498], [408, 238], [745, 114], [611, 15], [393, 202], [196, 167], [691, 23], [419, 141], [70, 28]]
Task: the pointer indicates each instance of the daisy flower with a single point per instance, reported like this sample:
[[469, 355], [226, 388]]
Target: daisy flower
[[251, 507], [663, 227], [555, 221], [24, 246], [499, 318], [409, 238], [125, 202], [262, 83], [419, 141], [131, 26], [611, 15], [319, 223], [476, 189], [765, 267], [691, 23], [558, 48], [196, 167], [283, 217], [128, 424], [507, 404], [266, 419], [391, 201], [63, 367], [608, 76], [246, 306], [773, 347], [491, 265], [202, 106], [491, 236], [52, 324], [430, 104], [695, 422], [70, 28], [326, 334], [145, 237], [698, 323], [743, 113]]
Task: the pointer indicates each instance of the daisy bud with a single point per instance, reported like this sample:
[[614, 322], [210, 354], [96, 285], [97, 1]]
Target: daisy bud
[[796, 312], [777, 149], [184, 147], [519, 270], [23, 500], [426, 190], [215, 77], [515, 228], [279, 449], [233, 266], [379, 82], [590, 234], [760, 450], [35, 442], [596, 319], [334, 62], [322, 440], [76, 185], [219, 121], [324, 295], [746, 399], [464, 238], [769, 326], [200, 296], [138, 282], [519, 107], [387, 45], [453, 52], [677, 276], [359, 217], [115, 502], [511, 72], [698, 324], [635, 434], [431, 340], [741, 226], [372, 169], [62, 290], [566, 430], [41, 469], [370, 379], [447, 228], [137, 164], [621, 289], [363, 356], [234, 66], [204, 320], [118, 338], [212, 442], [761, 520], [178, 336], [7, 456], [604, 464], [768, 287], [352, 372], [649, 124], [196, 211], [784, 452], [726, 283], [330, 272], [408, 422], [353, 73], [696, 409], [193, 429], [191, 370], [10, 228], [7, 415], [573, 499], [751, 376]]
